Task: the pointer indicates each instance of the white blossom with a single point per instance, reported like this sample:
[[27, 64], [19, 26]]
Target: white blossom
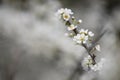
[[80, 38], [88, 63], [86, 32], [65, 14], [88, 60], [83, 36], [71, 27]]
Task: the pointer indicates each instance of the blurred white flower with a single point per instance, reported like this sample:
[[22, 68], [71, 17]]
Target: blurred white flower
[[71, 27], [88, 63], [90, 33], [80, 38], [86, 32], [97, 47], [98, 66], [83, 36], [65, 14], [88, 60]]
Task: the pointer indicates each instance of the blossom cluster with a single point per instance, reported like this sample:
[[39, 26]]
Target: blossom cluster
[[88, 64], [82, 37], [64, 14], [67, 15]]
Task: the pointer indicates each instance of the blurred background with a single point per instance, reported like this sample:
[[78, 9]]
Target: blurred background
[[33, 45]]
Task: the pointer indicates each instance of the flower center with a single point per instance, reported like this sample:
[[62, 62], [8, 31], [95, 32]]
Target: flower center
[[81, 38], [65, 16]]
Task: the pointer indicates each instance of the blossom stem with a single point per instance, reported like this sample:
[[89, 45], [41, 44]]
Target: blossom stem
[[88, 51], [75, 31]]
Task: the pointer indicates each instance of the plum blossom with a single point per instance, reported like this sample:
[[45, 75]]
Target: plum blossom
[[88, 60], [83, 36], [86, 32], [88, 64], [80, 38], [64, 13], [66, 17]]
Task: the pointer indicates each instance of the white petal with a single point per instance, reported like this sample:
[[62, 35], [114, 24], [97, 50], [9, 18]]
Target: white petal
[[61, 11], [86, 31], [68, 11], [78, 35], [86, 37], [97, 47], [90, 33], [69, 29], [82, 35], [82, 30], [79, 41], [84, 42]]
